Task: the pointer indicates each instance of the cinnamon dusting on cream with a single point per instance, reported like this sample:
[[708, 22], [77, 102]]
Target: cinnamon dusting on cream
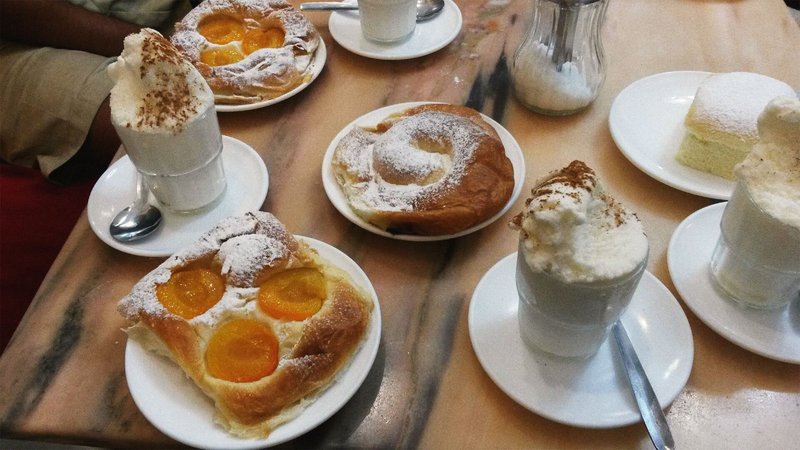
[[573, 229]]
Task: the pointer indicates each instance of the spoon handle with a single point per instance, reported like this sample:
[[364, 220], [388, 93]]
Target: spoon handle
[[650, 409], [141, 193], [328, 6]]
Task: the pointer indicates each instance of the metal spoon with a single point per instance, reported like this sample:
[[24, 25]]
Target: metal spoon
[[426, 9], [137, 220], [646, 400]]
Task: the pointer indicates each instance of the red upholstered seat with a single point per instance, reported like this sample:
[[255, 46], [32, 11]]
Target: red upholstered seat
[[36, 217]]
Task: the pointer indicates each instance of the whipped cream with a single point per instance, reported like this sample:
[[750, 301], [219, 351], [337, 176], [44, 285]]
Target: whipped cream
[[163, 111], [756, 259], [771, 171], [573, 230], [156, 89]]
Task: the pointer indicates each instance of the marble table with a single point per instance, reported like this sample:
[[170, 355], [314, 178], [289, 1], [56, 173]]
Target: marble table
[[62, 377]]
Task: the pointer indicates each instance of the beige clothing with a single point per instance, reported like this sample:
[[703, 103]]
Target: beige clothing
[[49, 97], [48, 100]]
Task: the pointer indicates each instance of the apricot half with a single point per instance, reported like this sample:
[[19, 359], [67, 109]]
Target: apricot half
[[190, 293], [242, 350], [221, 29], [259, 38], [221, 56], [294, 294]]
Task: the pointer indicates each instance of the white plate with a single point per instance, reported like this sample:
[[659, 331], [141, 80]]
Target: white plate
[[428, 37], [339, 200], [317, 63], [174, 405], [594, 392], [774, 334], [247, 179], [646, 122]]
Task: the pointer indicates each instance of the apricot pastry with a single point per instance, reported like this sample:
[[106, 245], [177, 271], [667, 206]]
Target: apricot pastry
[[257, 319], [248, 50]]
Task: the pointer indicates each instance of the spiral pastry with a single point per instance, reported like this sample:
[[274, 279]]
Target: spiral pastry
[[434, 169]]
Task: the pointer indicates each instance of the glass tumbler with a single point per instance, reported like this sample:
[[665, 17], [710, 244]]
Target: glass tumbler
[[182, 169], [757, 257], [570, 319]]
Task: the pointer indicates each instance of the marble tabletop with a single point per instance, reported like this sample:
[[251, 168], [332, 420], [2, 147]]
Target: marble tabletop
[[62, 376]]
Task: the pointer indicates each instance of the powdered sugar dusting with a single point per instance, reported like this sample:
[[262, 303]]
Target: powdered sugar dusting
[[234, 244], [419, 157], [244, 256], [731, 102]]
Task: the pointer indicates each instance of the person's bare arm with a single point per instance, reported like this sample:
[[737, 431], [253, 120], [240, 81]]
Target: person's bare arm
[[62, 24]]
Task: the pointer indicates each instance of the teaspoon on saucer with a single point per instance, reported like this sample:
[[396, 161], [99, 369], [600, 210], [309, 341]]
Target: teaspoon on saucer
[[649, 407], [137, 220], [426, 9]]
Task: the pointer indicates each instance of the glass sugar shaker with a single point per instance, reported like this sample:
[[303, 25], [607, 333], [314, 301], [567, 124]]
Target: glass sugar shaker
[[558, 69]]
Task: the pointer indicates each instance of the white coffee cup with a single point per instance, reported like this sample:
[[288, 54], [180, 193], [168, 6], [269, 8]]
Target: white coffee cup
[[387, 21]]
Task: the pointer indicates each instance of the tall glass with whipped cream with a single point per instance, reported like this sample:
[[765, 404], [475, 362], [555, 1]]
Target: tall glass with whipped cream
[[757, 257], [581, 256], [163, 111]]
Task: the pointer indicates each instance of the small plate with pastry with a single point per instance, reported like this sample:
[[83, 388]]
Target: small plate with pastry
[[423, 171], [249, 337], [252, 54], [688, 129]]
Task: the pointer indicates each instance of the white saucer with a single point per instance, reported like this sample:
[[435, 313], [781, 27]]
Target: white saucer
[[174, 405], [774, 334], [317, 63], [646, 122], [247, 180], [594, 392], [339, 200], [428, 37]]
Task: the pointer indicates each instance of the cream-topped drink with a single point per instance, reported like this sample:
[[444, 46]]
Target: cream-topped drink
[[581, 255], [163, 111], [757, 258], [387, 20]]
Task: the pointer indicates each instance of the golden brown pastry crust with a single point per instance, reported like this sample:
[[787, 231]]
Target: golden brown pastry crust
[[312, 351], [463, 177], [264, 74]]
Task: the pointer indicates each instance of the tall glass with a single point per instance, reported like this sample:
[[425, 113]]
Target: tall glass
[[570, 319], [182, 169], [757, 257]]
